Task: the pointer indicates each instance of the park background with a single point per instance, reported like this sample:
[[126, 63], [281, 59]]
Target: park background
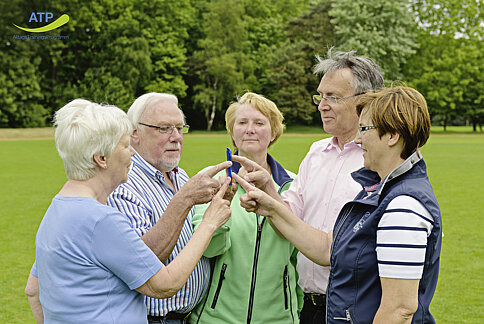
[[208, 52]]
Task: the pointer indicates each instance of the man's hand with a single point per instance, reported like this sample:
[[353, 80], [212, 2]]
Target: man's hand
[[201, 188]]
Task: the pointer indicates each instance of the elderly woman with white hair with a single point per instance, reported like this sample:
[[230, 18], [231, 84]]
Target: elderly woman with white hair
[[90, 266]]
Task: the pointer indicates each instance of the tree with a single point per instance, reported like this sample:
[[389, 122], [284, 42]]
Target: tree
[[290, 81], [382, 30], [20, 93], [448, 66], [21, 96], [221, 63]]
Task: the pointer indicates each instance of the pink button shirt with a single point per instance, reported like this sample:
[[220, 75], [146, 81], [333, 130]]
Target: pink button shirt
[[321, 188]]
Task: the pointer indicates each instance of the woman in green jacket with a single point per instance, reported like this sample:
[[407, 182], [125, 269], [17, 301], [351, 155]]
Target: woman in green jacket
[[254, 277]]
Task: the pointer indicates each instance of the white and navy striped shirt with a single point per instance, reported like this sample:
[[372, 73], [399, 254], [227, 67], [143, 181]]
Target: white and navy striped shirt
[[401, 238], [143, 199]]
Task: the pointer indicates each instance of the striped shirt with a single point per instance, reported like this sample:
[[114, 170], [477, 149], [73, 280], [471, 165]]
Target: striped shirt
[[402, 238], [143, 199]]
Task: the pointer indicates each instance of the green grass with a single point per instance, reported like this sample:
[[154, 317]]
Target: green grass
[[455, 130], [32, 173]]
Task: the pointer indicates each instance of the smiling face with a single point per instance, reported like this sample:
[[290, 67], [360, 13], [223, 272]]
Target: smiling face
[[339, 119], [163, 151], [252, 132], [120, 160]]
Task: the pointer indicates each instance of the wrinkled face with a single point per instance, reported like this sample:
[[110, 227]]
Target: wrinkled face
[[163, 151], [374, 147], [252, 131], [340, 118], [120, 160]]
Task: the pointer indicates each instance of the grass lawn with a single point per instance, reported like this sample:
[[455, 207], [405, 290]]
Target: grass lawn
[[32, 173]]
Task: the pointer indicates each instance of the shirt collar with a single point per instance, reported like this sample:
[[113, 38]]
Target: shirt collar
[[403, 168], [333, 144], [279, 174], [148, 168], [370, 180]]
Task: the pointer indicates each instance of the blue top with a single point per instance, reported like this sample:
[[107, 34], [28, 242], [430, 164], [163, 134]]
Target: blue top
[[89, 261], [143, 199]]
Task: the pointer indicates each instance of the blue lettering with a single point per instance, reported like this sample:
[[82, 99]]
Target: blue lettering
[[40, 14], [33, 17], [48, 15]]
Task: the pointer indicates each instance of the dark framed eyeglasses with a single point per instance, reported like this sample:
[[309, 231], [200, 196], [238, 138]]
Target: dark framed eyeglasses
[[362, 129], [332, 100], [168, 129]]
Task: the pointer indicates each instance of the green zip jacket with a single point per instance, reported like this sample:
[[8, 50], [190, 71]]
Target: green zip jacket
[[254, 278]]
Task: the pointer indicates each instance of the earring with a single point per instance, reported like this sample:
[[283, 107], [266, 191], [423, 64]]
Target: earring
[[105, 166]]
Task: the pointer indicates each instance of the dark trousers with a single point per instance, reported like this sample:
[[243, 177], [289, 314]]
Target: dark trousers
[[314, 309]]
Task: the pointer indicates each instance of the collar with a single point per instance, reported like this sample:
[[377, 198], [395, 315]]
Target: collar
[[279, 174], [148, 168], [404, 167], [333, 144], [370, 180]]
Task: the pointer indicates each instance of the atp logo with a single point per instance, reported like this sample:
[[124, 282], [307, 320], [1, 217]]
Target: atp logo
[[40, 17]]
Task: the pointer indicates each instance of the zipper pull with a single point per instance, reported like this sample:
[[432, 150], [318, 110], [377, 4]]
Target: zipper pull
[[348, 316]]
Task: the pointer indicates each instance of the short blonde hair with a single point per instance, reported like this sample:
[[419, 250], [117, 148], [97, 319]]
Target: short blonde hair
[[84, 129], [267, 107], [399, 110]]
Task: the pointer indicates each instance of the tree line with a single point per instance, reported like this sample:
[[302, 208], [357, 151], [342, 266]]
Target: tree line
[[207, 52]]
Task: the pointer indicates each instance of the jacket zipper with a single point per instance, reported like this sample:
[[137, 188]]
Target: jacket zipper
[[254, 267], [290, 294], [256, 259], [347, 318], [284, 283], [219, 285], [287, 285], [335, 234]]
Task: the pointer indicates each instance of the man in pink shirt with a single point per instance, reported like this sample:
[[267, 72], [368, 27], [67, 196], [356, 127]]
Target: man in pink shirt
[[324, 184]]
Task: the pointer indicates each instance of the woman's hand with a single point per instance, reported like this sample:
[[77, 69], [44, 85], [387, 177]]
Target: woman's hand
[[311, 242], [253, 172], [218, 212], [256, 175], [256, 200], [230, 192]]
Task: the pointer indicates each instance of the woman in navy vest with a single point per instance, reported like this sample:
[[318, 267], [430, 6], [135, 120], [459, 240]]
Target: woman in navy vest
[[384, 250]]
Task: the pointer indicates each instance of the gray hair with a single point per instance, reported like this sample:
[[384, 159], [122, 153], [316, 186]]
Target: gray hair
[[84, 129], [367, 75], [135, 112]]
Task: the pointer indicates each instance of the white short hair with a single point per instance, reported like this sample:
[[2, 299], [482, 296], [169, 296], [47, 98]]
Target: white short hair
[[135, 112], [84, 129]]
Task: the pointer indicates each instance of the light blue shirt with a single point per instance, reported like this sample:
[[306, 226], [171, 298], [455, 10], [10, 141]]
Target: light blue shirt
[[89, 261], [143, 199]]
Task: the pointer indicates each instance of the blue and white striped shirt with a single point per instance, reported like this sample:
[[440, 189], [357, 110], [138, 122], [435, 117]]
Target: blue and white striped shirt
[[143, 199], [401, 238]]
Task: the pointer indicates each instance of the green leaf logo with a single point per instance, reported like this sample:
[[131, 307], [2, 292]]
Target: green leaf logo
[[62, 20]]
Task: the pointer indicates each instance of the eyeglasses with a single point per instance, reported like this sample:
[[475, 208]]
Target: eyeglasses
[[362, 129], [168, 129], [318, 98]]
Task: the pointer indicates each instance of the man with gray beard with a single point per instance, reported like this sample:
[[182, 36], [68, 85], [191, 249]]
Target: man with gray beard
[[158, 197]]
